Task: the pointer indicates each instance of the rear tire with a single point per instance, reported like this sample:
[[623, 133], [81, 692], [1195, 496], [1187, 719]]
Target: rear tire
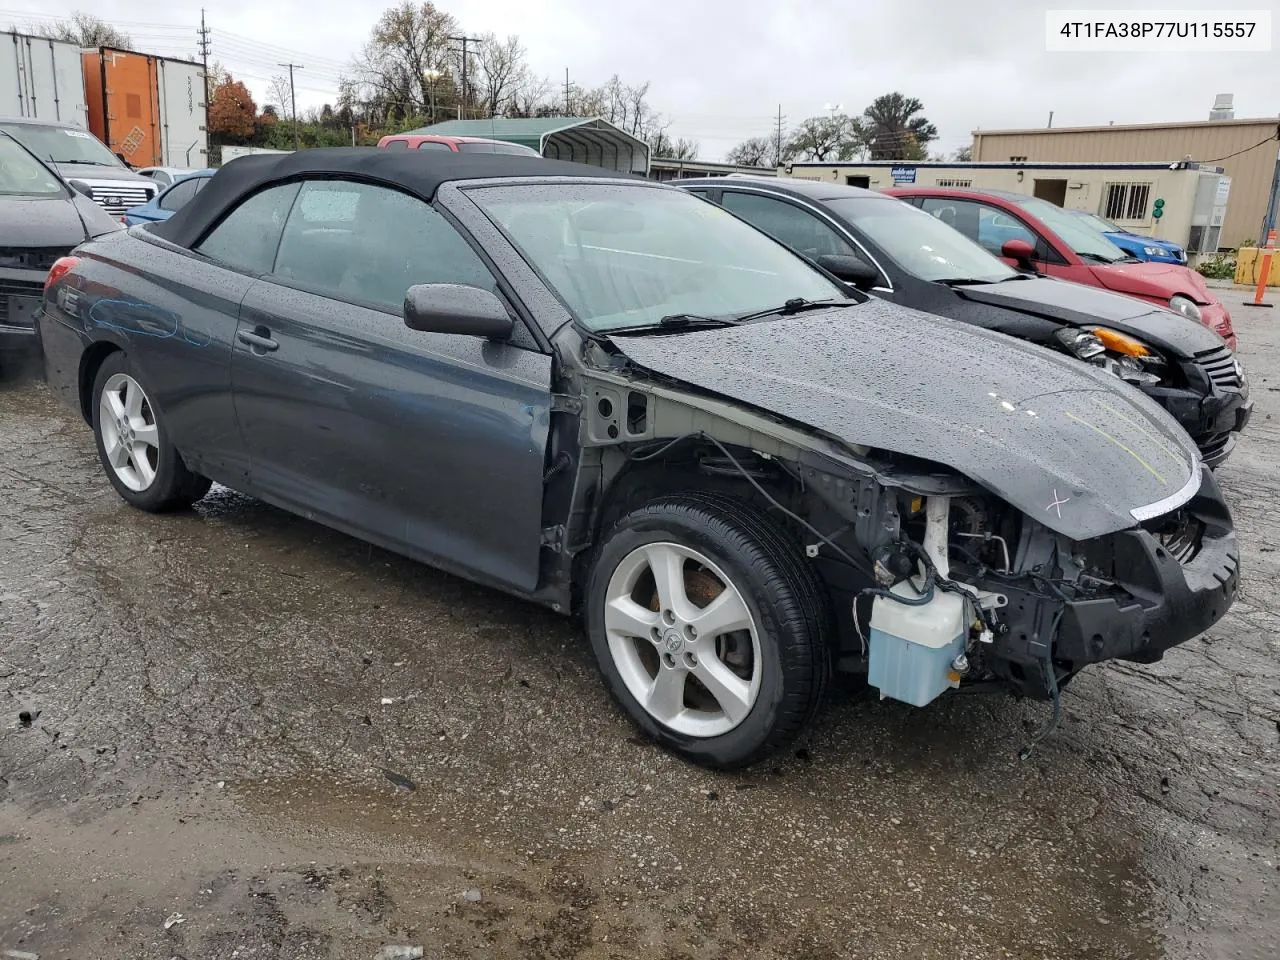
[[756, 675], [133, 445]]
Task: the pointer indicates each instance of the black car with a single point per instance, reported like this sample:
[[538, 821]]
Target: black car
[[41, 219], [609, 397], [907, 256]]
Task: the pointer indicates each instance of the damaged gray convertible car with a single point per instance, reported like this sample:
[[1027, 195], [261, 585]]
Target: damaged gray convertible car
[[617, 400]]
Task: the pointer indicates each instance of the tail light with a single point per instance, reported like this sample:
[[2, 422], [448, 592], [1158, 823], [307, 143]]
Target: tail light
[[61, 267]]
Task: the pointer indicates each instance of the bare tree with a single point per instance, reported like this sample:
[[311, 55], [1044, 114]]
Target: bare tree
[[279, 95], [398, 72], [963, 155], [661, 145], [825, 138], [86, 31], [754, 152], [535, 97], [623, 105], [500, 72]]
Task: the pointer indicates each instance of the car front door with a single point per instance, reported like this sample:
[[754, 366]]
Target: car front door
[[433, 444]]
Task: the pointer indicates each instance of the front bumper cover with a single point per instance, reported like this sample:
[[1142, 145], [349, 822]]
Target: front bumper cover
[[1166, 602], [1211, 420]]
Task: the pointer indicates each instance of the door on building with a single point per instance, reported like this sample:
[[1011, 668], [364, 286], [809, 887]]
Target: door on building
[[858, 181], [1055, 191]]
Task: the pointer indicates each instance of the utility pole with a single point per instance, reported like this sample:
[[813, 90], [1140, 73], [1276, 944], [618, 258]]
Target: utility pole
[[777, 140], [293, 98], [566, 92], [1050, 119], [462, 107], [203, 33]]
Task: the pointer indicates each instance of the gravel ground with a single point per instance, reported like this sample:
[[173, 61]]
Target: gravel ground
[[235, 734]]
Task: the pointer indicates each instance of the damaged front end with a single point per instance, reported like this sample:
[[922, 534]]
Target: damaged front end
[[1038, 606], [935, 583], [970, 591]]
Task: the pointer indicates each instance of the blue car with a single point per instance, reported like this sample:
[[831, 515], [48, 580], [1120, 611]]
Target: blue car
[[1134, 244], [167, 203]]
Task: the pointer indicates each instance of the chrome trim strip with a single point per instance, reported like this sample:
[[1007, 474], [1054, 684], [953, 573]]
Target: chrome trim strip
[[1160, 507]]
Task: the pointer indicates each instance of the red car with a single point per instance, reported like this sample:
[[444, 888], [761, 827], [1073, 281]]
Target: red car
[[428, 141], [1033, 234]]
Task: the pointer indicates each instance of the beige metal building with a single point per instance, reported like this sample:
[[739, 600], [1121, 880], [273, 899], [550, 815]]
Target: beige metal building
[[1197, 200], [1245, 149]]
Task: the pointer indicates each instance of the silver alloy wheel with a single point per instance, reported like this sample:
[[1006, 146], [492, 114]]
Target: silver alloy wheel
[[129, 435], [695, 668]]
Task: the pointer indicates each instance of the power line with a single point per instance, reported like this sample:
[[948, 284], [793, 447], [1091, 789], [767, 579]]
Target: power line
[[1274, 136]]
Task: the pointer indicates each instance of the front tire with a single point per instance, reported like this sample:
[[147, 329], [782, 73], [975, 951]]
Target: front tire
[[710, 629], [140, 461]]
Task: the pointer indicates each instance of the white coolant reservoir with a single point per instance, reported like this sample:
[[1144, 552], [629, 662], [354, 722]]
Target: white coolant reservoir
[[912, 647]]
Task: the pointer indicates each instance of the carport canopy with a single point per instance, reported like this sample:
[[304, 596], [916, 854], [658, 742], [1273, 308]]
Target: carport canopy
[[591, 140]]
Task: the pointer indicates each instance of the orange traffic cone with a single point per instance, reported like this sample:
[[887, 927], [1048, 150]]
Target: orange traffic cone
[[1264, 271]]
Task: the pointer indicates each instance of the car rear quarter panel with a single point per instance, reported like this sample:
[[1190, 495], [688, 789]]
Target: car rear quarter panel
[[175, 315]]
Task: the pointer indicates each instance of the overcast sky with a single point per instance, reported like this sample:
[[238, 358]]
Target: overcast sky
[[720, 73]]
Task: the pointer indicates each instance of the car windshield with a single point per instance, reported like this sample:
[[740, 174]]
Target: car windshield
[[484, 146], [1095, 221], [626, 256], [920, 244], [61, 144], [22, 176], [1081, 238]]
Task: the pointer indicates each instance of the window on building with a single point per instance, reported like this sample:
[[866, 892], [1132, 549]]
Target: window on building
[[1017, 159], [1126, 201], [954, 183]]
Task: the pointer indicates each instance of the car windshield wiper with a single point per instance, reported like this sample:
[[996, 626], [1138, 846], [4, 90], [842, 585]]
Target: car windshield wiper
[[87, 163], [678, 321], [1095, 257], [962, 281], [795, 305]]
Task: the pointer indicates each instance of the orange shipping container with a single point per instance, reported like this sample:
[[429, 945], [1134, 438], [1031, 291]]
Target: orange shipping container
[[120, 88]]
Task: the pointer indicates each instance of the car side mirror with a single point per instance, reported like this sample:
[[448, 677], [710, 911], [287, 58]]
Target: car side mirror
[[1021, 253], [455, 308], [850, 269]]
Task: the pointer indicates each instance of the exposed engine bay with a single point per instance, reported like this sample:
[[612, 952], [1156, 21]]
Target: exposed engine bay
[[935, 582]]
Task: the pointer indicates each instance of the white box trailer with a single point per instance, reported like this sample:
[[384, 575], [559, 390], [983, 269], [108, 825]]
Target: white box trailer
[[42, 79], [180, 94]]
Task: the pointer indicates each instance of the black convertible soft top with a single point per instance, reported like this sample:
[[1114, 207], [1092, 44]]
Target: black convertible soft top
[[416, 172]]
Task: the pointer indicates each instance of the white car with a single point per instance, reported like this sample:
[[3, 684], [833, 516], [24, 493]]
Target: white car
[[166, 176]]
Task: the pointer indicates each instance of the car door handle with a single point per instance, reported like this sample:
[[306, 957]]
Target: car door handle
[[256, 339]]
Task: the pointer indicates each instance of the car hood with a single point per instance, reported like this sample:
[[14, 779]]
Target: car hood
[[1145, 240], [1158, 280], [92, 171], [1076, 305], [1065, 443], [40, 222]]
